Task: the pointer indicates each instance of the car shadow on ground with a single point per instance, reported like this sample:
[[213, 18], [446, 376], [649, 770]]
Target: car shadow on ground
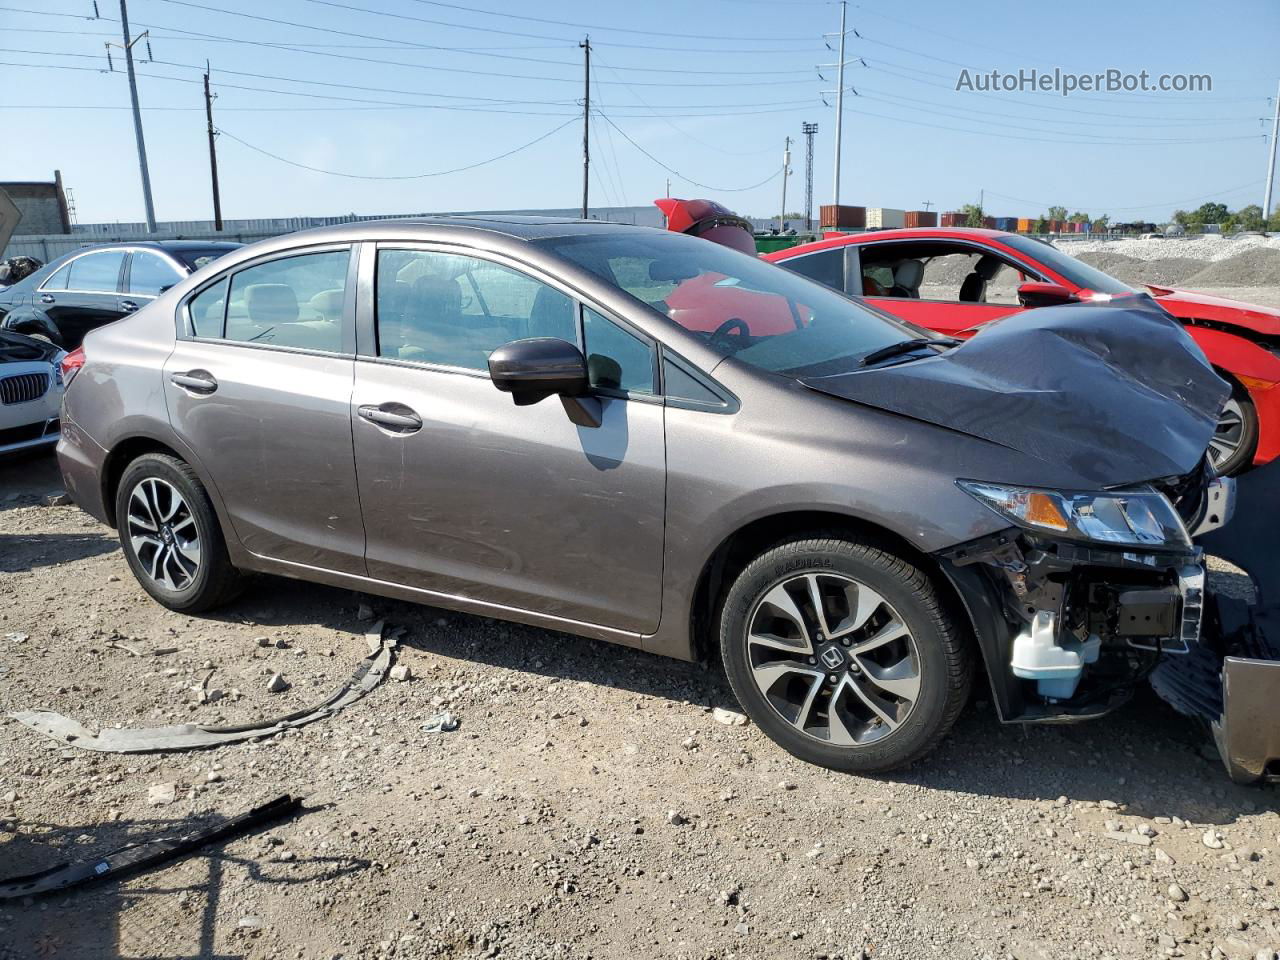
[[114, 918], [1145, 756], [30, 552]]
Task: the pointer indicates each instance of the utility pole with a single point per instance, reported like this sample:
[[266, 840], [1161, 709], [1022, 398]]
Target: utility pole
[[586, 118], [808, 129], [926, 204], [137, 119], [835, 190], [786, 172], [1271, 163], [213, 153]]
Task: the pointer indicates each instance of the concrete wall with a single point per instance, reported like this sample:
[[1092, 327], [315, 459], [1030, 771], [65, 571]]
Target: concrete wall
[[42, 205]]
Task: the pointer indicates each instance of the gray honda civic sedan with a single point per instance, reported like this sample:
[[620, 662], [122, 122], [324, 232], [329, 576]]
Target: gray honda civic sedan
[[646, 438]]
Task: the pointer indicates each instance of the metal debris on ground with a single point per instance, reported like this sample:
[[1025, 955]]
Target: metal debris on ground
[[139, 856], [441, 723], [187, 736]]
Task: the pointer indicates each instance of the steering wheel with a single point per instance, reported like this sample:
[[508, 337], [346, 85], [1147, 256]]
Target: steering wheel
[[733, 324]]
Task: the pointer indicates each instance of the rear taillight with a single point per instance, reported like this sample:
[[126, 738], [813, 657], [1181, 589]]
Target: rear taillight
[[70, 365]]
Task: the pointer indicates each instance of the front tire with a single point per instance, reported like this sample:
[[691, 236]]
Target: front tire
[[1235, 440], [171, 537], [844, 654]]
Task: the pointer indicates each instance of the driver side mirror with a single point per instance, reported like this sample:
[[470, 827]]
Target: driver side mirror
[[537, 368], [1036, 294]]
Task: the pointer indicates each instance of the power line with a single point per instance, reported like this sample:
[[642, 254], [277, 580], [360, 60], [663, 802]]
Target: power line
[[400, 43], [676, 173], [722, 109], [563, 23], [413, 176]]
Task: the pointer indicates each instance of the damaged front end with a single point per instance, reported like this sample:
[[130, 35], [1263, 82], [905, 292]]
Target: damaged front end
[[1070, 628]]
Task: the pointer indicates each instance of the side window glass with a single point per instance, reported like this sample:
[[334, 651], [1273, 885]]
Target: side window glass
[[149, 275], [59, 280], [456, 310], [293, 302], [97, 272], [827, 267], [679, 385], [616, 359], [207, 310]]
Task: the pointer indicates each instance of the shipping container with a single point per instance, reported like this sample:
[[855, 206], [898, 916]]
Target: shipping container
[[921, 218], [885, 218], [953, 218], [842, 217], [1007, 224], [1026, 224]]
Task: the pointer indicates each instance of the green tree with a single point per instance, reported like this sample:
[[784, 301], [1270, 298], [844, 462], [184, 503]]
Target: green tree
[[1250, 218], [972, 215], [1042, 226], [1078, 217], [1100, 224], [1182, 218], [1211, 213], [1056, 213]]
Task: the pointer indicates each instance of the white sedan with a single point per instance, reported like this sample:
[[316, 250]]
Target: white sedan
[[30, 393]]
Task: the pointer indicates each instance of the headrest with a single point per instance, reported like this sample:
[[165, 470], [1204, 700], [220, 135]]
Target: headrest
[[271, 303], [987, 267], [908, 274]]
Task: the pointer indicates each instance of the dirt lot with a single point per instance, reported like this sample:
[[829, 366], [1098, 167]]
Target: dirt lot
[[543, 827]]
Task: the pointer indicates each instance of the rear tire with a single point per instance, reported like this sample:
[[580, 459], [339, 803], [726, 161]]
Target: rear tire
[[872, 683], [171, 537]]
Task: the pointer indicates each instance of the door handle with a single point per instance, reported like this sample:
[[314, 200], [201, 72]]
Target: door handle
[[128, 306], [408, 422], [47, 298], [196, 381]]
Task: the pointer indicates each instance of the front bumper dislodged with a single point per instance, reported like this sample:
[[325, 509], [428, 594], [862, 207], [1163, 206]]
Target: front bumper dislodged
[[1150, 613]]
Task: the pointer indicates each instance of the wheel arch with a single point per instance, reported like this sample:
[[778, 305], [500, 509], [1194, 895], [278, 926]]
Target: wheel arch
[[119, 458], [739, 548]]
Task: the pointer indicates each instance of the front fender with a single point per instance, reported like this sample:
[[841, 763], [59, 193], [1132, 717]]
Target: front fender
[[1257, 370]]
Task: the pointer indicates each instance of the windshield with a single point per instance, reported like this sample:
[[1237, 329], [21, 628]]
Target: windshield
[[1074, 271], [738, 304]]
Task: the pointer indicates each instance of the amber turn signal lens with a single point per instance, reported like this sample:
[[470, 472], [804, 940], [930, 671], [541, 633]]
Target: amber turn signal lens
[[1044, 512]]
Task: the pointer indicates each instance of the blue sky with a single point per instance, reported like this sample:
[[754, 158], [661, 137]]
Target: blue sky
[[707, 88]]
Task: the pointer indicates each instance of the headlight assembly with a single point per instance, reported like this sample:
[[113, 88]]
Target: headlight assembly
[[1140, 517]]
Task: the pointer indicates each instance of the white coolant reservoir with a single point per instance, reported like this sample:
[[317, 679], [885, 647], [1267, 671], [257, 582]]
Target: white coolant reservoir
[[1055, 665]]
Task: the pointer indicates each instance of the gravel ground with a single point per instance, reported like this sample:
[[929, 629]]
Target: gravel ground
[[590, 805]]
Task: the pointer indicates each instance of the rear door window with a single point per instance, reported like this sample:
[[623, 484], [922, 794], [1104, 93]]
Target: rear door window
[[292, 302], [150, 275], [96, 272]]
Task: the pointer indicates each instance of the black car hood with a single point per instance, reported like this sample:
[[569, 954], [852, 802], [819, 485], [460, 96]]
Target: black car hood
[[1115, 392]]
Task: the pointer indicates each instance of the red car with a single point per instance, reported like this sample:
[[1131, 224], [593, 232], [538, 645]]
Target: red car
[[953, 280]]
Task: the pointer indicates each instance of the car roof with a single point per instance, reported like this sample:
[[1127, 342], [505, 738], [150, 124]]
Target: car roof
[[522, 227], [161, 245]]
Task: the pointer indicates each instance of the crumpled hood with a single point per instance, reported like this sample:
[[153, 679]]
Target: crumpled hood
[[1116, 393]]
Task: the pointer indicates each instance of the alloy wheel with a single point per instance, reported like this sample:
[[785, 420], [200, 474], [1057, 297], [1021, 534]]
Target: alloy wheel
[[833, 658], [163, 533], [1229, 434]]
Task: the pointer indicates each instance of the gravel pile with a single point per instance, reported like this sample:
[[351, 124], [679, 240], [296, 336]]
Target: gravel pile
[[1260, 265], [1171, 270], [1207, 248]]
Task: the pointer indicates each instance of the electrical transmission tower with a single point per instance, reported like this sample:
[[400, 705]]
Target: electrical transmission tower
[[808, 129]]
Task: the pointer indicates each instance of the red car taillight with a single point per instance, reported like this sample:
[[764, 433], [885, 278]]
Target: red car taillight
[[70, 365]]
